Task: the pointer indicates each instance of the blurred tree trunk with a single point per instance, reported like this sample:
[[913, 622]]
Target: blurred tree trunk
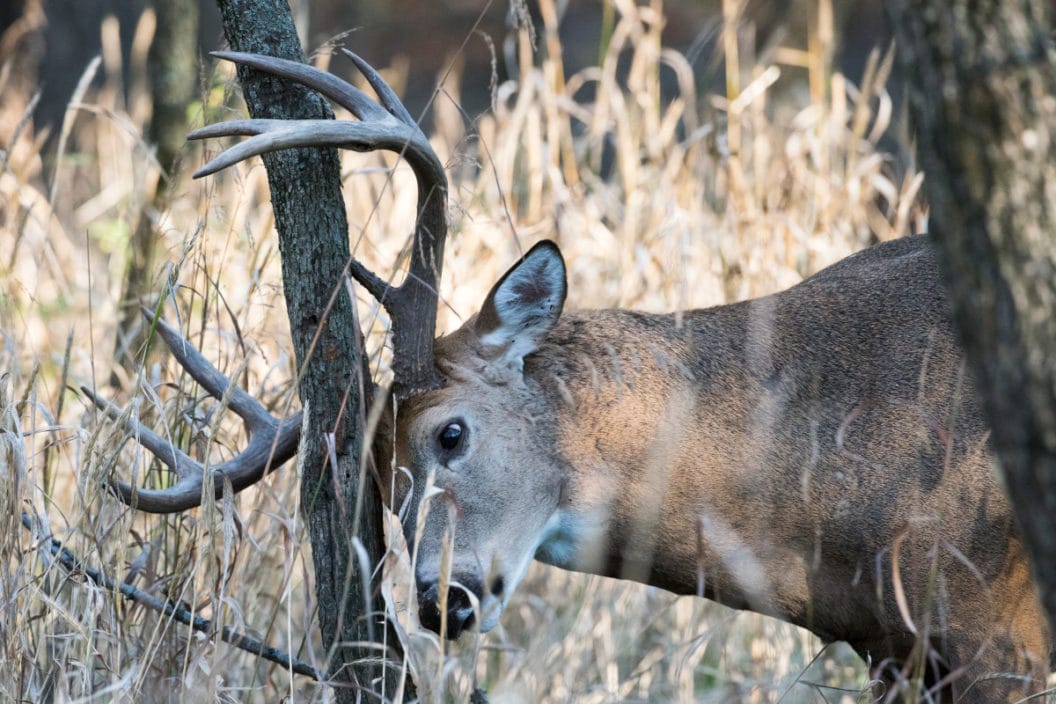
[[172, 66], [982, 91], [313, 241]]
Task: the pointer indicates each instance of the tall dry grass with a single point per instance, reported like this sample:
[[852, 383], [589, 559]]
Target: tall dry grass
[[658, 204]]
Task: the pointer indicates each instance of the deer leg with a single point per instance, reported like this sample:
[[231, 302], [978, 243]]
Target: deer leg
[[1004, 666], [999, 646], [895, 660]]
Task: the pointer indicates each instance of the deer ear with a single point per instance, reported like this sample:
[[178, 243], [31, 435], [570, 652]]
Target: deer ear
[[524, 304]]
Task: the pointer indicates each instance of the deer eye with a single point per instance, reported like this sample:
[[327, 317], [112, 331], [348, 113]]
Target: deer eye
[[450, 436]]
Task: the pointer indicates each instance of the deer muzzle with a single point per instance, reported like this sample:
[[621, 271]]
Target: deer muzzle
[[461, 595]]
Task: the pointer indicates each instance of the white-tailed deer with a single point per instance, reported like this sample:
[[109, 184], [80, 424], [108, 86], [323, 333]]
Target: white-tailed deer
[[817, 455]]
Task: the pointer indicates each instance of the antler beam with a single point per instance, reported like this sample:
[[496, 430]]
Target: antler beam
[[271, 441], [411, 306]]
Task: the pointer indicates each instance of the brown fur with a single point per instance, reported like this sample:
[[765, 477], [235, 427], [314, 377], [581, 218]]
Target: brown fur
[[817, 455]]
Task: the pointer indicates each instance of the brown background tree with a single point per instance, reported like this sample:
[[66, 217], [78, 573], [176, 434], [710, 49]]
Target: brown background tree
[[173, 66], [982, 92]]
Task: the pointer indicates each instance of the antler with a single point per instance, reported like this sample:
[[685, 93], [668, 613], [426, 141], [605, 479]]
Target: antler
[[388, 126], [271, 441], [411, 306]]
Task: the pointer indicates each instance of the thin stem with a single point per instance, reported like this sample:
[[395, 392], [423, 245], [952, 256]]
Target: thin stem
[[72, 564]]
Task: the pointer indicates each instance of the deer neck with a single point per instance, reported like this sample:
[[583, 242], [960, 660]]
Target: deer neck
[[649, 412]]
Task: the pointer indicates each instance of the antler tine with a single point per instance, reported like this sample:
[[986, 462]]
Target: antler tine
[[412, 306], [209, 377], [417, 300], [413, 365], [341, 92], [272, 135], [388, 96], [271, 441], [174, 458]]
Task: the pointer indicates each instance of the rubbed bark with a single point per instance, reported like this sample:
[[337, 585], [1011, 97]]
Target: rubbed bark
[[982, 91], [172, 65], [313, 241]]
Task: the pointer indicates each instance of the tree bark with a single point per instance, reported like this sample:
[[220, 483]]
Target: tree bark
[[313, 242], [982, 92]]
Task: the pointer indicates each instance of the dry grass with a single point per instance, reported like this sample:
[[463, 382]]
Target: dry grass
[[707, 199]]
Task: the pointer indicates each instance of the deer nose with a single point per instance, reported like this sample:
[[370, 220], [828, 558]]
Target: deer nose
[[460, 615]]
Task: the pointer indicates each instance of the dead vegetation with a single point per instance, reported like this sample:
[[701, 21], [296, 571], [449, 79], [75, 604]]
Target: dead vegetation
[[658, 204]]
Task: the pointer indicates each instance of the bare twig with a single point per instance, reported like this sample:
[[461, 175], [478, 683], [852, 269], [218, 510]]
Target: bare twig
[[70, 561]]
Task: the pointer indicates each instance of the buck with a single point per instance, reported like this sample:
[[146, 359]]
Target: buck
[[817, 455]]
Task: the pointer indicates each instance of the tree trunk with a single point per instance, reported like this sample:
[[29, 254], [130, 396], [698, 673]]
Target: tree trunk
[[172, 65], [982, 91], [313, 241]]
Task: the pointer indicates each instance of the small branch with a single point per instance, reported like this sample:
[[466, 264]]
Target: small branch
[[366, 278], [197, 623]]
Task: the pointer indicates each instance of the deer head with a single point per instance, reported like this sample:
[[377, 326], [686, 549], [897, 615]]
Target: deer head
[[453, 429], [485, 438]]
